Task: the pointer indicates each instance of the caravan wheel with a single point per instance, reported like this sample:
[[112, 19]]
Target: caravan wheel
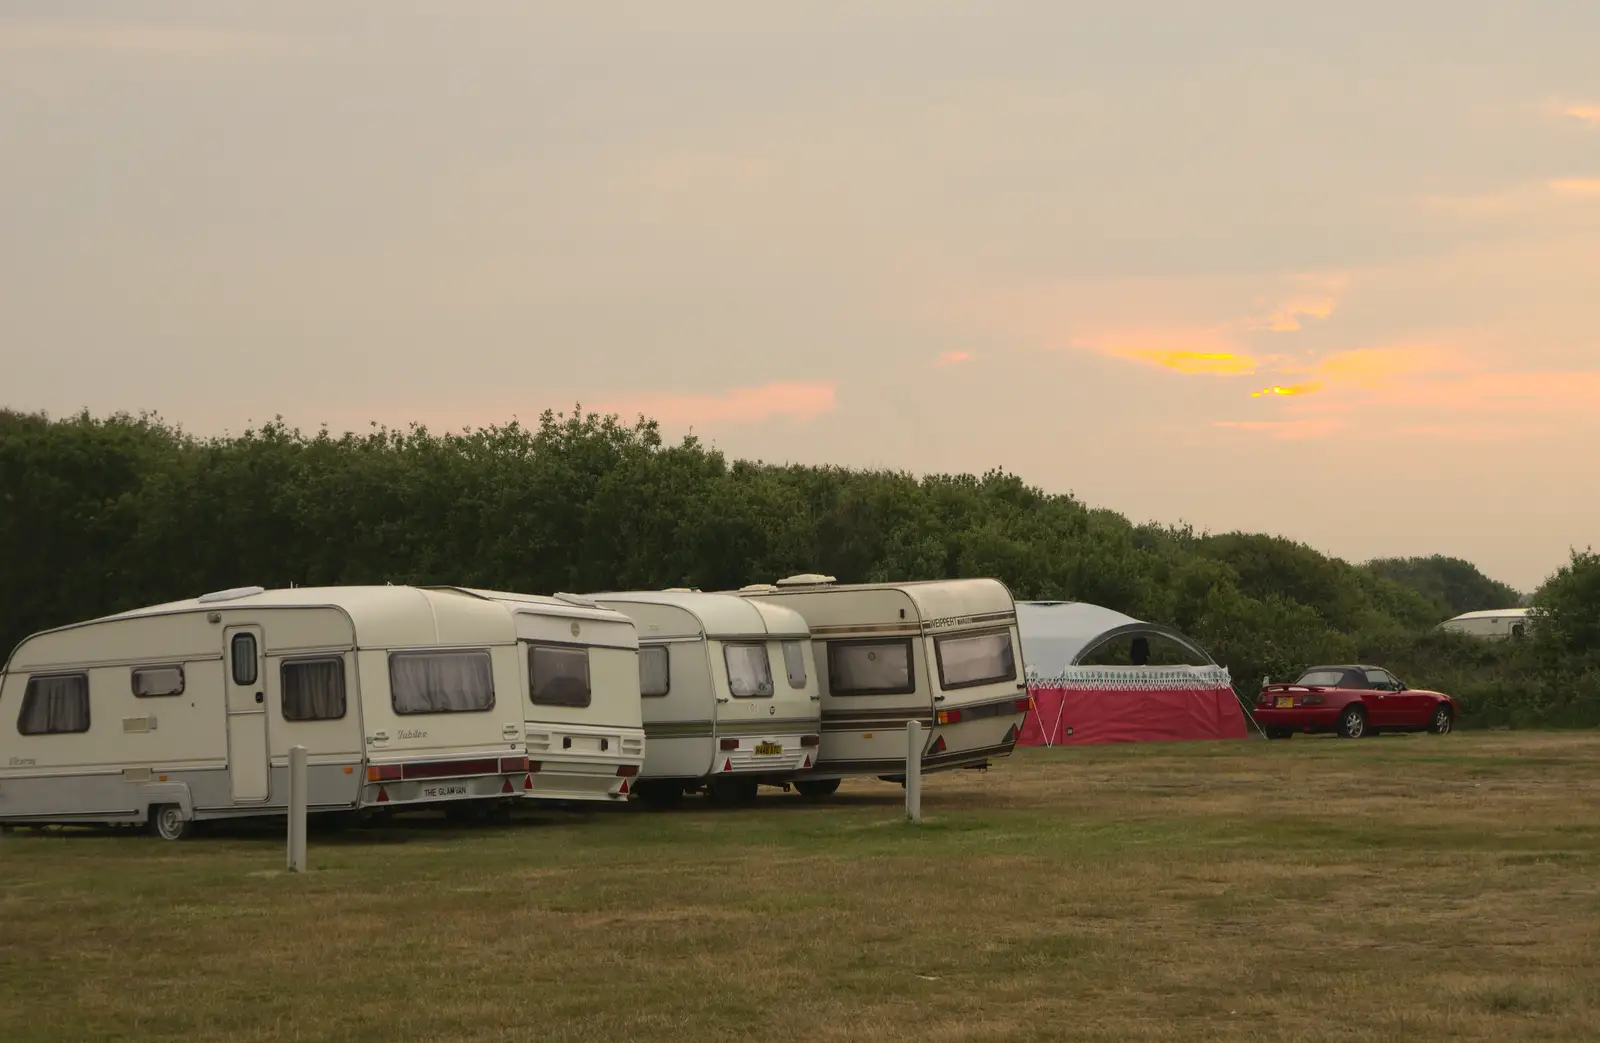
[[168, 823]]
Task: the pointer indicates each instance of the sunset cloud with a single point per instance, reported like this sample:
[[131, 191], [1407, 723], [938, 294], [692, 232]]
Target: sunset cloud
[[792, 400], [1202, 351], [952, 358], [1577, 186], [1589, 114], [1293, 389]]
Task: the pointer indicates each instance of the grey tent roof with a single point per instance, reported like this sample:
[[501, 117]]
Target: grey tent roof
[[1059, 634]]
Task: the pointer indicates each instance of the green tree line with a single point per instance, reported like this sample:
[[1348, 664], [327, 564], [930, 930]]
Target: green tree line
[[106, 514]]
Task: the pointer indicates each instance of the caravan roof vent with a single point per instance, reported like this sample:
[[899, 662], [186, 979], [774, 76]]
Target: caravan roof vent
[[231, 594], [576, 599], [756, 588], [806, 579]]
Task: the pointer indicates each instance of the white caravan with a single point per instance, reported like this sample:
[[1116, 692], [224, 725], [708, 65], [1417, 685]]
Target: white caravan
[[1492, 623], [402, 697], [729, 690], [943, 652], [581, 715]]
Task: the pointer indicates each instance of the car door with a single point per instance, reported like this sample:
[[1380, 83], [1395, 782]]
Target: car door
[[1385, 707], [1412, 709]]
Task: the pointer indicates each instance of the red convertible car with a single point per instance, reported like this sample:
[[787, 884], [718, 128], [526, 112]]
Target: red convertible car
[[1351, 701]]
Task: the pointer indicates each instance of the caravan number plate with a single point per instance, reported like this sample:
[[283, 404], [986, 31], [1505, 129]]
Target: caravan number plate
[[1285, 702], [768, 749], [456, 790]]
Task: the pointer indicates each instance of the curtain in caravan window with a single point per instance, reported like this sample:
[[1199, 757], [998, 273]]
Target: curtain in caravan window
[[972, 659], [55, 705], [558, 676], [870, 667], [655, 671], [440, 682], [313, 690], [158, 680], [794, 663], [749, 670]]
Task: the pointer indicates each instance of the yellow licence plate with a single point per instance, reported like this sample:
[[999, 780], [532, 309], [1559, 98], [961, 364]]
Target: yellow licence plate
[[1285, 702], [768, 749]]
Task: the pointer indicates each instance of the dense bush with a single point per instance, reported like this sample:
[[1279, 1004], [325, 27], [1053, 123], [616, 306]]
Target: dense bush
[[102, 515]]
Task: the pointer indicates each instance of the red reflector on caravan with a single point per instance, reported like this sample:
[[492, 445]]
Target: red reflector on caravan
[[727, 765], [507, 787], [627, 771], [624, 788], [527, 782], [938, 745], [807, 764], [383, 795], [730, 744]]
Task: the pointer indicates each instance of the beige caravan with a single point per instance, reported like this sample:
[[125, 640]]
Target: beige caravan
[[402, 698], [729, 690], [580, 702], [942, 652]]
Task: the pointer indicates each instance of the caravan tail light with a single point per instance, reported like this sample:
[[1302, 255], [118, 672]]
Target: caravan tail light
[[627, 771], [1022, 705], [510, 764], [533, 767], [730, 744], [949, 716], [810, 740], [383, 773]]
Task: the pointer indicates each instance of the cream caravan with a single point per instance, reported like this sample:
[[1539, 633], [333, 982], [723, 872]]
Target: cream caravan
[[402, 697], [730, 696], [943, 652], [581, 714]]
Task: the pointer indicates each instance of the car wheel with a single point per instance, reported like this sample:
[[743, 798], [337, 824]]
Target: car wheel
[[1280, 733], [1443, 721], [168, 823], [817, 789], [1353, 723]]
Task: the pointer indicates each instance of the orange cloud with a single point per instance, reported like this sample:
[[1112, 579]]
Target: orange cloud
[[1587, 113], [951, 358], [1293, 389], [1576, 186], [794, 400], [1224, 363], [1206, 351]]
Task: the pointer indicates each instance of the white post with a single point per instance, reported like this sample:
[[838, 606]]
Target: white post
[[297, 809], [914, 771]]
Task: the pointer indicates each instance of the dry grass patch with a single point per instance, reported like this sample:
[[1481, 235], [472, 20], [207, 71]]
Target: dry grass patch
[[1406, 889]]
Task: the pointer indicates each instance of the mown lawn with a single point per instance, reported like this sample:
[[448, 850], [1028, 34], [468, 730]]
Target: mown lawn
[[1403, 888]]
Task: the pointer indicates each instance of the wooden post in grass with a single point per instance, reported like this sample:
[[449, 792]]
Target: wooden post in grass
[[297, 809], [913, 771]]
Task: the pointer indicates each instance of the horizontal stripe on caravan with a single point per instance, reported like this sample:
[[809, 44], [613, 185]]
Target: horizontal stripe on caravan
[[886, 725], [898, 713], [903, 629]]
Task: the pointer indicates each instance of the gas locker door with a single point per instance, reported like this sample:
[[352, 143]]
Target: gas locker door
[[248, 765]]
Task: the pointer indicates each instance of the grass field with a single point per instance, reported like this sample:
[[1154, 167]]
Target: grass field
[[1407, 889]]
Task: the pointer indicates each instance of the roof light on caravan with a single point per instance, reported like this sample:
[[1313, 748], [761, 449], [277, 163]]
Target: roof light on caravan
[[231, 594], [575, 599], [807, 579]]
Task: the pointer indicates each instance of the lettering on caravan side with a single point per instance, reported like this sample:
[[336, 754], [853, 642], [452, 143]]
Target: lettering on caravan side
[[24, 762], [949, 621]]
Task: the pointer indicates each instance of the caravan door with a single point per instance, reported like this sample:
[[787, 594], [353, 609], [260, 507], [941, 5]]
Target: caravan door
[[247, 713]]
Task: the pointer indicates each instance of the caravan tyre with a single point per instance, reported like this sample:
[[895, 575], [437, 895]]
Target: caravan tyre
[[817, 789], [168, 823]]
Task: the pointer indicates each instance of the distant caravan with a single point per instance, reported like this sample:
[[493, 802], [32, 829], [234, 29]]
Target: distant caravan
[[1491, 623], [943, 652], [579, 691], [730, 694], [402, 697]]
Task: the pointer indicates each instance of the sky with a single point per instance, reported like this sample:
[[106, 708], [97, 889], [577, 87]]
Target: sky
[[1327, 271]]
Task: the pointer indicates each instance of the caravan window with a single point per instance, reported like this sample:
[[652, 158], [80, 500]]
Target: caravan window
[[655, 672], [794, 663], [973, 659], [55, 705], [312, 689], [244, 658], [157, 680], [881, 667], [559, 676], [749, 670], [440, 682]]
